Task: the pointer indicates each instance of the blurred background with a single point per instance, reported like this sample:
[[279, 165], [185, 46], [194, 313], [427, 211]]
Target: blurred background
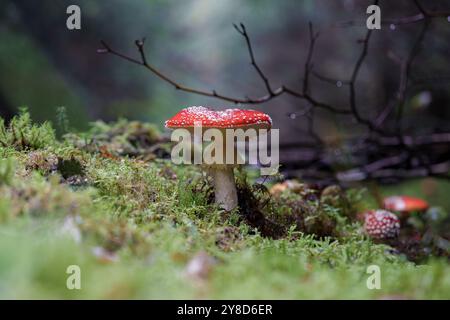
[[44, 66]]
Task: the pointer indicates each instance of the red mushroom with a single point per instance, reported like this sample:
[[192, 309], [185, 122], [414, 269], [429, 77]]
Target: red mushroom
[[381, 224], [404, 204], [222, 174], [229, 118]]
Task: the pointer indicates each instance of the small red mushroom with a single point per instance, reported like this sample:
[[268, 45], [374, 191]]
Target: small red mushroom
[[404, 204], [226, 119], [381, 224], [222, 174]]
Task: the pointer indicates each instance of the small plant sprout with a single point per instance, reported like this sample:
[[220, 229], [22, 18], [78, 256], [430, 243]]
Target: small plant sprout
[[381, 224], [221, 129]]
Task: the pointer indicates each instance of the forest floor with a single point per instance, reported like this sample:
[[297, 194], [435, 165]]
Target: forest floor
[[110, 202]]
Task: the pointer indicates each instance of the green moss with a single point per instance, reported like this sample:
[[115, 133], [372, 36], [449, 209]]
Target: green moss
[[133, 225], [22, 134], [7, 171]]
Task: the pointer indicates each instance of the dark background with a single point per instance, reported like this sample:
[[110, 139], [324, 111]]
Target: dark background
[[44, 66]]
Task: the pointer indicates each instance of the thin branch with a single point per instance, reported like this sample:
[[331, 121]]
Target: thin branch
[[214, 94], [397, 21], [143, 62], [310, 127], [399, 96], [334, 81], [308, 66], [376, 154], [439, 171], [243, 31], [353, 78], [421, 9], [407, 71], [416, 141]]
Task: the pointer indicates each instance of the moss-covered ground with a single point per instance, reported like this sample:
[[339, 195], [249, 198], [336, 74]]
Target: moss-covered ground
[[111, 202]]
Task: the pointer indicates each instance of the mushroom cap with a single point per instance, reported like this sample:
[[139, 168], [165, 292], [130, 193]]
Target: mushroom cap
[[381, 224], [226, 119], [404, 204]]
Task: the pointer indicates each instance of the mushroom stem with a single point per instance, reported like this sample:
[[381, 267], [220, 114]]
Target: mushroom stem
[[224, 187]]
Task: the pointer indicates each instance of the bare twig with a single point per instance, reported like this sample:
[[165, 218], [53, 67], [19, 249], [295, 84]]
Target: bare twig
[[334, 81], [308, 66], [399, 21], [407, 72], [375, 154], [272, 93], [243, 31]]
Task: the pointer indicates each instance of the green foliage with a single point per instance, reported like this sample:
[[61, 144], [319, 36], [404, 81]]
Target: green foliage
[[123, 138], [6, 171], [62, 119], [133, 226], [22, 134], [35, 197]]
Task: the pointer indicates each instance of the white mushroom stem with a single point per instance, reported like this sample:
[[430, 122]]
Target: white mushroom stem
[[224, 186]]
